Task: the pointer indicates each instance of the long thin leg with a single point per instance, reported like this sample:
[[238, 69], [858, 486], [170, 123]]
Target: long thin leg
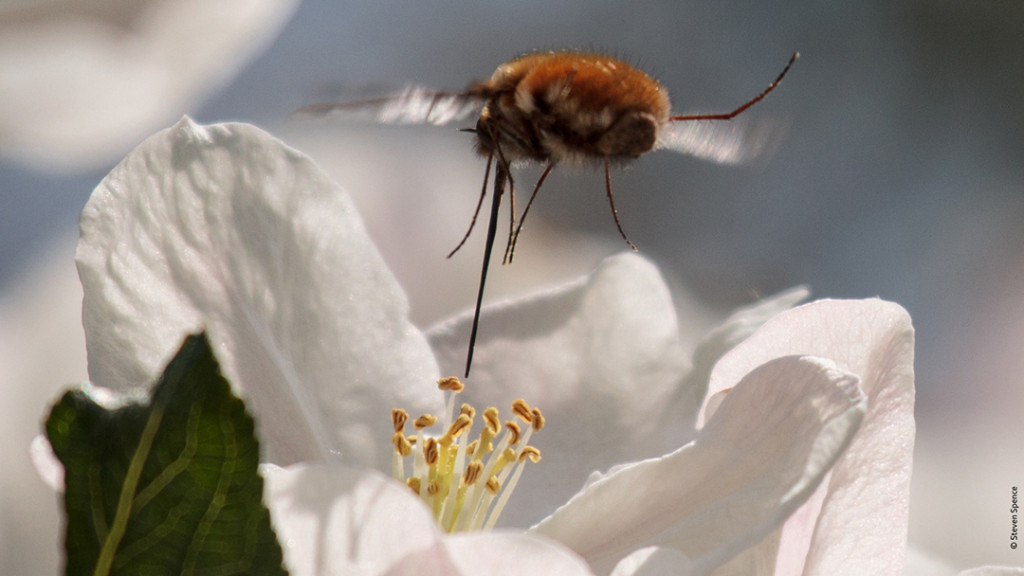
[[511, 210], [500, 177], [510, 250], [479, 204], [615, 213], [739, 110]]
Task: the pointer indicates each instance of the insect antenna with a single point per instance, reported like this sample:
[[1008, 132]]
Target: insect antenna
[[510, 250], [611, 201], [739, 110]]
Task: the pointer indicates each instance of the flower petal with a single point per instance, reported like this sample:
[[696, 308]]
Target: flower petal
[[654, 561], [772, 440], [49, 468], [868, 491], [599, 357], [332, 519], [83, 81], [337, 520], [226, 228], [737, 327], [513, 554], [993, 571]]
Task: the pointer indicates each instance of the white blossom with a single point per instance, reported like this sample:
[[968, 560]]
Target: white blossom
[[796, 460]]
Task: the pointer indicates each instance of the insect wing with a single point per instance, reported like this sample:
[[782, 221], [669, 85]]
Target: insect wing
[[414, 105], [722, 141]]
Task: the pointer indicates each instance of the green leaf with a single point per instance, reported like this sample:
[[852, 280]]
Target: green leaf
[[169, 486]]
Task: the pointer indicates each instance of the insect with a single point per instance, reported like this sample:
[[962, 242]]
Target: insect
[[559, 108]]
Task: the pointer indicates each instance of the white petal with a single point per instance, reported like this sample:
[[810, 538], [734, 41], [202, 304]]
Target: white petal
[[600, 357], [921, 563], [771, 442], [224, 227], [654, 561], [867, 494], [736, 328], [81, 82], [993, 571], [335, 520], [49, 468], [510, 554]]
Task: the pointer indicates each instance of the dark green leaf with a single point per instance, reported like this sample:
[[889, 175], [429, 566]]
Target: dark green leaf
[[164, 487]]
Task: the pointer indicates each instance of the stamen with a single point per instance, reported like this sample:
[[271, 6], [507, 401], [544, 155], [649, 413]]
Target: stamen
[[398, 418], [522, 409], [472, 473], [514, 430], [538, 419], [402, 445], [530, 452], [493, 485], [403, 448], [492, 420], [451, 384], [454, 385], [466, 482], [461, 424], [424, 421], [430, 452]]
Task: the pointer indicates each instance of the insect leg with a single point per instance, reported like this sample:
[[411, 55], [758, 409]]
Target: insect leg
[[739, 110], [611, 201], [500, 177], [512, 205], [479, 204], [510, 250]]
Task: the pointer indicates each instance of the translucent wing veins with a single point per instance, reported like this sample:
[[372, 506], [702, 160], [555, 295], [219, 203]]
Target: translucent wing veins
[[413, 105], [724, 142]]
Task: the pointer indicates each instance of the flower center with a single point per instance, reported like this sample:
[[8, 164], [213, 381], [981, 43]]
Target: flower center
[[466, 484]]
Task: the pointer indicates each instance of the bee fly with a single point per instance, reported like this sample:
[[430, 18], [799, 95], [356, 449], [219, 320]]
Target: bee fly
[[560, 108]]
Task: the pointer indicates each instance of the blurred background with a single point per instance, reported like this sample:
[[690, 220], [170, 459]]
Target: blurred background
[[900, 176]]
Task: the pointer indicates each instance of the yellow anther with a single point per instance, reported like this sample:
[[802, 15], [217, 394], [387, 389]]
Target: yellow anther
[[398, 418], [447, 472], [522, 409], [401, 444], [473, 472], [530, 452], [492, 421], [461, 424], [425, 421], [538, 419], [433, 488], [451, 383], [430, 452], [492, 485], [513, 428]]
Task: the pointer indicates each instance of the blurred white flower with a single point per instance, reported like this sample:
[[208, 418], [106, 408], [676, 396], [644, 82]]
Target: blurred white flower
[[797, 460], [80, 82]]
